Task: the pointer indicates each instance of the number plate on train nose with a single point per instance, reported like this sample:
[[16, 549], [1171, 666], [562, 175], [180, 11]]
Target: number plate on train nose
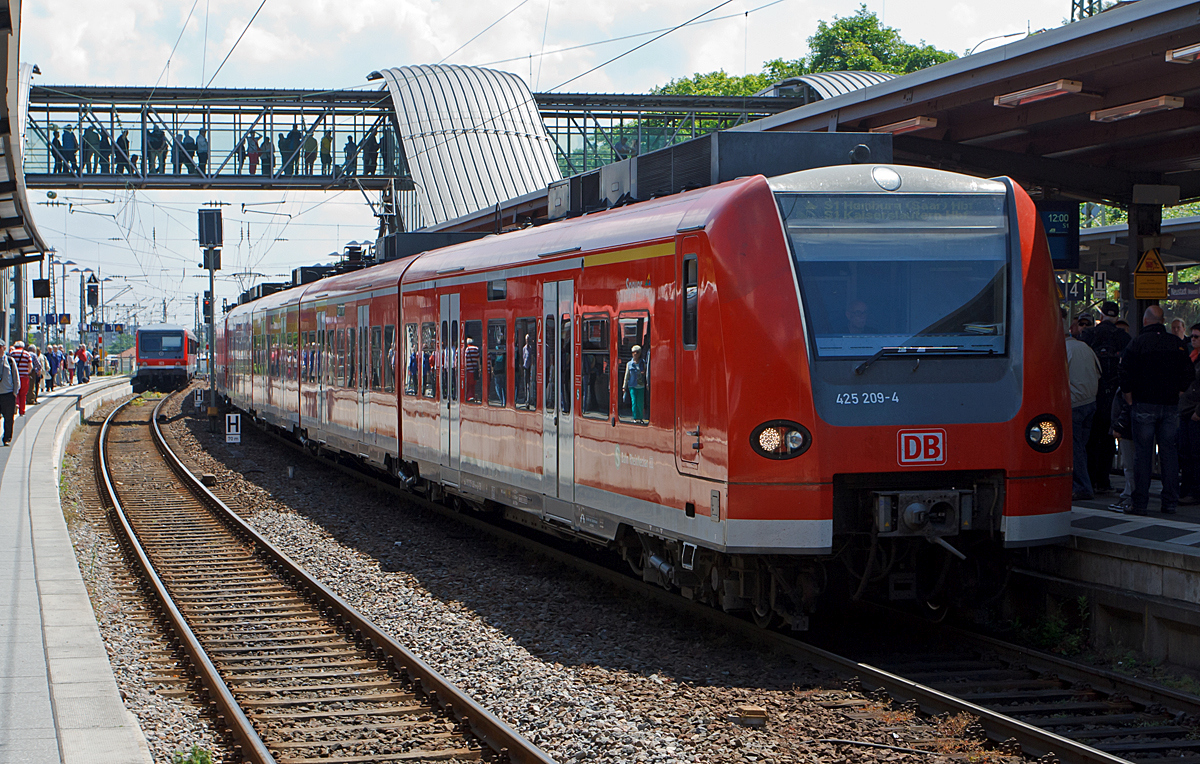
[[921, 446]]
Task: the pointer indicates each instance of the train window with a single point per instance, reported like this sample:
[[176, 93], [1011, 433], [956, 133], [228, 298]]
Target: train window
[[446, 358], [565, 349], [428, 356], [319, 366], [472, 365], [497, 359], [376, 357], [412, 366], [633, 331], [351, 357], [389, 359], [594, 342], [525, 363], [497, 290], [691, 286], [548, 397], [341, 358], [454, 360]]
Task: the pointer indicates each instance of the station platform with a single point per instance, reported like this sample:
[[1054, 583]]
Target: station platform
[[59, 701], [1179, 531]]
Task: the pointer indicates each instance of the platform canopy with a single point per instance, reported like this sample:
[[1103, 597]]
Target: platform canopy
[[473, 137], [1090, 110], [19, 238]]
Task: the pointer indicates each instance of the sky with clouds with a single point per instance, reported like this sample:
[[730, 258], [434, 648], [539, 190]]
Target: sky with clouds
[[145, 240]]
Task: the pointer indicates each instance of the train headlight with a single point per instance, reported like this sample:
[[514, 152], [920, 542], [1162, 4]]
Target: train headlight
[[780, 439], [1044, 433]]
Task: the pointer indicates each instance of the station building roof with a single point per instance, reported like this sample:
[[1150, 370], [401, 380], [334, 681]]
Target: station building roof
[[1108, 246], [20, 240], [1070, 144]]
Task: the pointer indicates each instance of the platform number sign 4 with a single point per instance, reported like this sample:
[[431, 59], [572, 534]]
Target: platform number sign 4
[[233, 428], [921, 447]]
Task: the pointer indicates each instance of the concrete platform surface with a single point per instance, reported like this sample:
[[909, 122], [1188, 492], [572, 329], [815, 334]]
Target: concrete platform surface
[[59, 701]]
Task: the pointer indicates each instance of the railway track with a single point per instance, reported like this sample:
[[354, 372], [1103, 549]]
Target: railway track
[[1119, 715], [1026, 701], [294, 674]]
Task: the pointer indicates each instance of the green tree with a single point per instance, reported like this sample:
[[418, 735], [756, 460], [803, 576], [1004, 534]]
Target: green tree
[[861, 43], [855, 43]]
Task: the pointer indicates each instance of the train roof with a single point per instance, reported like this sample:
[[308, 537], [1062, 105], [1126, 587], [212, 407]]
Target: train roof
[[166, 328], [644, 221]]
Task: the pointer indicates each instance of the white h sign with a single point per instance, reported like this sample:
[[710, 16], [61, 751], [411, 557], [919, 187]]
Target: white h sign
[[233, 428], [199, 398]]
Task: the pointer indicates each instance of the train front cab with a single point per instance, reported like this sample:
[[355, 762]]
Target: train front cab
[[166, 355], [920, 375]]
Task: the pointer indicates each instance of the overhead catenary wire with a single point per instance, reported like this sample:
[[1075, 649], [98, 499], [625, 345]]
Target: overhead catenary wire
[[639, 47], [635, 35], [485, 29]]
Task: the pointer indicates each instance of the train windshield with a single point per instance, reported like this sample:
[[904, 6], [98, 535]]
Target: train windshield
[[160, 344], [901, 270]]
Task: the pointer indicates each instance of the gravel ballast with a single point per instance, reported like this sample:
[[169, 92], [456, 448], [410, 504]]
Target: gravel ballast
[[584, 670]]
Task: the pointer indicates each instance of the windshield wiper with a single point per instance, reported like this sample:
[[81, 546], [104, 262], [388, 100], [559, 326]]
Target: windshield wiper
[[919, 349]]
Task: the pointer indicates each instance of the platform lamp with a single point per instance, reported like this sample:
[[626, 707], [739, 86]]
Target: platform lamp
[[56, 260], [82, 300]]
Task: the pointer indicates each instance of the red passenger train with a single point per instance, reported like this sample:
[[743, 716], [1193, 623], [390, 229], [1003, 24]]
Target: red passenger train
[[762, 393], [166, 357]]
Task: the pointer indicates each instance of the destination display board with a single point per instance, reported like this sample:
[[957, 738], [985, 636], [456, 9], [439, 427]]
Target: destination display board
[[1061, 221]]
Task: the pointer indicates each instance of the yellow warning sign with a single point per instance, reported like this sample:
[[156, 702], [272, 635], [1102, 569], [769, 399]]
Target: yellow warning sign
[[1150, 286], [1151, 263]]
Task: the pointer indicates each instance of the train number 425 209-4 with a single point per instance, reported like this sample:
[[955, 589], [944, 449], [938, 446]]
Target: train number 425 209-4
[[852, 399]]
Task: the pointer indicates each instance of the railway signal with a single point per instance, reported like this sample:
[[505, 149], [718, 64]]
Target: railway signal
[[210, 238]]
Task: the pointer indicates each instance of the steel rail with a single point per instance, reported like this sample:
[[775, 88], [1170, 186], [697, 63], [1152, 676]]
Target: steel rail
[[487, 727], [998, 727], [252, 746]]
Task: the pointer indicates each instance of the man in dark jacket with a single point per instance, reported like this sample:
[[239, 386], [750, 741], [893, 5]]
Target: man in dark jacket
[[1154, 370], [1107, 341]]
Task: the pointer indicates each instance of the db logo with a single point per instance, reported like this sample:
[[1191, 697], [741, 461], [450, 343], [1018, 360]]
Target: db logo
[[922, 446]]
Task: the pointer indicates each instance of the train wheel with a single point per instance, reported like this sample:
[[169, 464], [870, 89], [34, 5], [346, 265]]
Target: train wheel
[[765, 620]]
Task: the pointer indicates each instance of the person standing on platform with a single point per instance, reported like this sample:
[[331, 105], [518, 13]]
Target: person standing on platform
[[266, 155], [370, 153], [189, 150], [89, 149], [24, 360], [202, 150], [69, 367], [350, 151], [53, 361], [310, 153], [124, 162], [81, 364], [327, 153], [1107, 341], [35, 374], [10, 384], [70, 145], [56, 151], [1189, 428], [252, 152], [1154, 370]]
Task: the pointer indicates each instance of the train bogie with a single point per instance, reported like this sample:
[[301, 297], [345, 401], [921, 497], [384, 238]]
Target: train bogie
[[764, 393]]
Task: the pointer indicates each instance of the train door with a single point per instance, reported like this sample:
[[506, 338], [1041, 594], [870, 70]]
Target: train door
[[558, 350], [448, 333], [322, 360], [690, 395], [363, 372]]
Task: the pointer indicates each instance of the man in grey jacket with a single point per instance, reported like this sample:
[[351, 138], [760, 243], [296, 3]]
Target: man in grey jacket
[[10, 383]]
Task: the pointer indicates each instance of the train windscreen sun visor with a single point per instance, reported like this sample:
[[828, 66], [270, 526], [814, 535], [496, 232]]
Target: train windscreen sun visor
[[901, 270]]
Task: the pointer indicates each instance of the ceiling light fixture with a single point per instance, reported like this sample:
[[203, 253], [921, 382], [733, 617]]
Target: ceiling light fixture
[[907, 125], [1038, 93], [1136, 109], [1187, 55]]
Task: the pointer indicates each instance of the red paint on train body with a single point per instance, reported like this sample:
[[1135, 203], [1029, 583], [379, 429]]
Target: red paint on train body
[[494, 370]]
